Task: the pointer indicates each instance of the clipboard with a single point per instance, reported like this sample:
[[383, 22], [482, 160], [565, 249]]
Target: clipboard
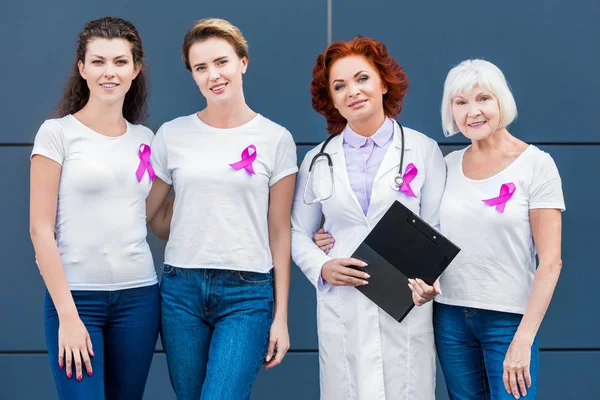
[[399, 247]]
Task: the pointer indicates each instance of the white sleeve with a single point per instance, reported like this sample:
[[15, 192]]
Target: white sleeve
[[286, 162], [160, 157], [50, 142], [433, 187], [545, 190], [305, 221]]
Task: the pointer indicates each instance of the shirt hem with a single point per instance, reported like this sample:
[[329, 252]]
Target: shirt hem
[[45, 153], [163, 177], [282, 175], [228, 268], [560, 207], [483, 306], [114, 286]]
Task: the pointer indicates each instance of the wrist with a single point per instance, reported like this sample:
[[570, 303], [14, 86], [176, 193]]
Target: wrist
[[280, 316], [322, 272], [68, 314], [524, 338]]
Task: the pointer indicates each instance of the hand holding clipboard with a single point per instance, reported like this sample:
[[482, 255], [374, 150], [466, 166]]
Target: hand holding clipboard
[[401, 247]]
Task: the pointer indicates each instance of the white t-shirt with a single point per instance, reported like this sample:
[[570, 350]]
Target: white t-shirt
[[101, 214], [220, 213], [496, 265]]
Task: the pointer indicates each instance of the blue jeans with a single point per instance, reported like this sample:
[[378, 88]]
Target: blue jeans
[[215, 330], [471, 345], [123, 326]]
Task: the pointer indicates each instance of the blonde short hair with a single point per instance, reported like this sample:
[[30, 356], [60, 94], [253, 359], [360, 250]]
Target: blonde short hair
[[471, 73], [214, 27]]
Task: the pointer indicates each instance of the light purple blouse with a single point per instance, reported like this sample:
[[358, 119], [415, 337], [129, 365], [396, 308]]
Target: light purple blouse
[[363, 158]]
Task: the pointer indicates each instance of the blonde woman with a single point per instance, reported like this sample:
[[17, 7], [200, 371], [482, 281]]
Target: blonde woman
[[225, 279]]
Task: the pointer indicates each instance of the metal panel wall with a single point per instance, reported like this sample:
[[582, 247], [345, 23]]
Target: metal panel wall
[[544, 48]]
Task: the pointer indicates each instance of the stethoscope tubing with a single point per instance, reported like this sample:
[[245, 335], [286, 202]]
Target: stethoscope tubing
[[396, 183]]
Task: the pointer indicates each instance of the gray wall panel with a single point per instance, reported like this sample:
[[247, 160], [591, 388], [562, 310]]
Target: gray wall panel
[[543, 49], [284, 39], [568, 323], [569, 375], [22, 288], [563, 375], [28, 377]]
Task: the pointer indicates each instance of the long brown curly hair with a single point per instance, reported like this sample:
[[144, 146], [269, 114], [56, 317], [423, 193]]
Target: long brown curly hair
[[376, 53], [77, 93]]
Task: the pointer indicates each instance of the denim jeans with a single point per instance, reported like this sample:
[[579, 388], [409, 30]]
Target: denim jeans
[[471, 345], [215, 330], [123, 326]]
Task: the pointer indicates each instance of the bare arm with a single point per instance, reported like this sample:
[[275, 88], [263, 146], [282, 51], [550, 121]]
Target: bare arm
[[546, 226], [280, 206], [159, 209], [73, 336], [160, 225], [45, 178]]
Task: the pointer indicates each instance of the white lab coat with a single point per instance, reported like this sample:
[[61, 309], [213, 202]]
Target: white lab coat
[[364, 354]]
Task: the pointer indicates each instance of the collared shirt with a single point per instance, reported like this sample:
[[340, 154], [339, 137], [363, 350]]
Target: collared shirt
[[363, 158]]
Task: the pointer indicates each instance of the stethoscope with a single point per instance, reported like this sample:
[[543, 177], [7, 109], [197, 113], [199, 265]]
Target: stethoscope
[[395, 183]]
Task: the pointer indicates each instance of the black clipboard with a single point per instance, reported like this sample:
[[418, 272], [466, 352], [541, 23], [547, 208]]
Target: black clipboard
[[399, 247]]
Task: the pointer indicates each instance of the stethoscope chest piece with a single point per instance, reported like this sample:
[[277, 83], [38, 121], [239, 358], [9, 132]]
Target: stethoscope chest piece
[[397, 182]]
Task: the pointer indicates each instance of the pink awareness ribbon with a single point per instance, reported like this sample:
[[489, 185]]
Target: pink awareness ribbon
[[506, 192], [409, 175], [144, 153], [247, 160]]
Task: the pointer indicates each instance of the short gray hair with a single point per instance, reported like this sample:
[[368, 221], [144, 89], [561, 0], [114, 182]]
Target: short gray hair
[[471, 73]]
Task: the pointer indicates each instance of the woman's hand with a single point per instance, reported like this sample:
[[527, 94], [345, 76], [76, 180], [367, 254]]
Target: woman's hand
[[422, 292], [336, 272], [324, 240], [279, 343], [74, 345], [516, 374]]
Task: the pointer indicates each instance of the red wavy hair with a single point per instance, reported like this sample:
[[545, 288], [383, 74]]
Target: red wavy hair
[[391, 74]]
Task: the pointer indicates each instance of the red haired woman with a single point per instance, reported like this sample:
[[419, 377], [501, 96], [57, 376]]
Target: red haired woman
[[364, 353]]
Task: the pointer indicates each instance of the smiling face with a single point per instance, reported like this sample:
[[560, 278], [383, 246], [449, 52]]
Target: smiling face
[[477, 113], [108, 69], [217, 70], [356, 89]]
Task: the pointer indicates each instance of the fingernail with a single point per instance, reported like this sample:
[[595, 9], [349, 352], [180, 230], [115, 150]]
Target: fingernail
[[365, 264], [331, 240], [93, 355], [89, 373], [411, 280], [326, 251], [329, 235], [268, 358], [79, 378], [365, 283], [61, 366], [367, 276], [69, 375]]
